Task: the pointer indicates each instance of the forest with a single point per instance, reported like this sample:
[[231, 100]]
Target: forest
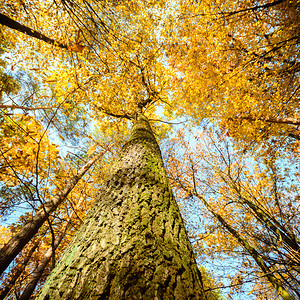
[[150, 149]]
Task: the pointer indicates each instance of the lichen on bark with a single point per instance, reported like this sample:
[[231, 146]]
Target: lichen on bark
[[133, 244]]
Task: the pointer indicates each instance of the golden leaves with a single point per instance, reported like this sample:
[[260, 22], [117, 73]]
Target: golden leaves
[[76, 47], [5, 235], [92, 149], [230, 60], [23, 144]]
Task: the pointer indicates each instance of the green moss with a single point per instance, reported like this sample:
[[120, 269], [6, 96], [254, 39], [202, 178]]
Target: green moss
[[145, 196], [58, 274], [167, 255], [141, 129]]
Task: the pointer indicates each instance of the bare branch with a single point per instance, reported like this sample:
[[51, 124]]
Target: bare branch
[[13, 106], [291, 121]]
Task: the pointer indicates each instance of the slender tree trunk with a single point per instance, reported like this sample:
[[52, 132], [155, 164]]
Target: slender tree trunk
[[38, 272], [15, 275], [15, 245], [133, 244], [276, 283]]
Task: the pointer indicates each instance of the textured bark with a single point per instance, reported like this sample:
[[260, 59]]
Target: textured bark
[[133, 244]]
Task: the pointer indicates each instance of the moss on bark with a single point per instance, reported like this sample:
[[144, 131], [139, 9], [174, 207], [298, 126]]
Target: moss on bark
[[133, 244]]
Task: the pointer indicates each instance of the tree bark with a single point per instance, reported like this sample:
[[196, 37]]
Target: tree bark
[[132, 244]]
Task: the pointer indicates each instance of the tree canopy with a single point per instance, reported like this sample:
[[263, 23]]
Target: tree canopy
[[219, 83]]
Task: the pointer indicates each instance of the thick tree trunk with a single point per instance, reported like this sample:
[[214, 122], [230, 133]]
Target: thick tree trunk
[[133, 244]]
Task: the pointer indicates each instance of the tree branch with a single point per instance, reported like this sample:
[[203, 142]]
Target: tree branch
[[7, 21], [254, 8], [4, 106], [291, 121]]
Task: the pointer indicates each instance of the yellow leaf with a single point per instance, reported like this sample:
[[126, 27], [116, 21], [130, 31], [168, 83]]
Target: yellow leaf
[[92, 149]]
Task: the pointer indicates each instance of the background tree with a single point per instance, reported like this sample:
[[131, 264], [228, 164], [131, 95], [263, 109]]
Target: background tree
[[253, 208], [235, 65]]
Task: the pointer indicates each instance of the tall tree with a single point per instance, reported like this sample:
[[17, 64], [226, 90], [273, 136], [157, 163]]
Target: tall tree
[[115, 55], [100, 82], [133, 243]]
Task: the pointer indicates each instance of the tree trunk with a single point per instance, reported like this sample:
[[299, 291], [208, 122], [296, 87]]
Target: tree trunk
[[38, 272], [14, 276], [132, 244]]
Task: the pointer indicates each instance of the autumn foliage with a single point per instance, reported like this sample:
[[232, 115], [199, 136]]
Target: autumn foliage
[[224, 73]]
